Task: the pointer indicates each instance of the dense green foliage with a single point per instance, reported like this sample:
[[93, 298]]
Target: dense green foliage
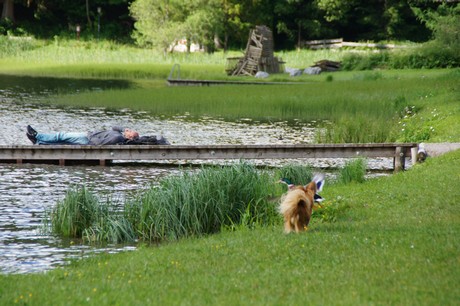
[[441, 52], [397, 243], [49, 18], [75, 213], [224, 24], [202, 203]]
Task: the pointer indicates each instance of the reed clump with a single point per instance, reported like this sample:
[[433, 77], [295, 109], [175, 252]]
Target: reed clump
[[81, 214], [201, 203], [75, 213], [192, 204], [353, 171]]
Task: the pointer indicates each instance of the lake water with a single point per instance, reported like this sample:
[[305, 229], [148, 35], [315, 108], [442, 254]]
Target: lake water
[[28, 191]]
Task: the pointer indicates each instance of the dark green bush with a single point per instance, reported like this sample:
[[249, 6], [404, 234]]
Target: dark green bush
[[442, 52]]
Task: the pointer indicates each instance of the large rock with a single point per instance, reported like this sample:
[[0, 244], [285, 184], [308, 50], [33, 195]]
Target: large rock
[[312, 70], [293, 71], [262, 75]]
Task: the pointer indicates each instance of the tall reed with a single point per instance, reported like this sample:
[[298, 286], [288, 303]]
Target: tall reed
[[75, 213], [201, 203], [82, 215], [358, 129], [297, 174], [353, 171]]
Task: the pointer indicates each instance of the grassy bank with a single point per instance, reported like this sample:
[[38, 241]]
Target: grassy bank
[[394, 245], [77, 52]]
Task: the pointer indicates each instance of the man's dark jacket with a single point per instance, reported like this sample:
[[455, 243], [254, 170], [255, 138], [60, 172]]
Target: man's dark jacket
[[115, 136], [109, 137]]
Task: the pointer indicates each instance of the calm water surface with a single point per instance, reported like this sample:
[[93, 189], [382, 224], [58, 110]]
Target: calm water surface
[[28, 191]]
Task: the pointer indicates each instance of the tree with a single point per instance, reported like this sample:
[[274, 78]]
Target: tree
[[161, 23], [372, 19], [157, 22], [444, 21], [8, 10], [298, 19]]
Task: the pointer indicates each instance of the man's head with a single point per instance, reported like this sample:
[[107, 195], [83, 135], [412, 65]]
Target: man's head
[[130, 134]]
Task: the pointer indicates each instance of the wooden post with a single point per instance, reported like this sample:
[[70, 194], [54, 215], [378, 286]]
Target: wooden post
[[413, 154], [61, 162], [19, 161], [102, 162], [399, 159]]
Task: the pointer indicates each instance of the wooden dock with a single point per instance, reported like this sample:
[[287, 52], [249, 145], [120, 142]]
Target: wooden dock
[[188, 82], [103, 155]]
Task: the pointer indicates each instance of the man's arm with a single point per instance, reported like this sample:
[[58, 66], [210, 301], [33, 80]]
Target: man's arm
[[118, 129]]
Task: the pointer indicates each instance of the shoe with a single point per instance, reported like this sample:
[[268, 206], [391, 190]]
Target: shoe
[[32, 138], [31, 131]]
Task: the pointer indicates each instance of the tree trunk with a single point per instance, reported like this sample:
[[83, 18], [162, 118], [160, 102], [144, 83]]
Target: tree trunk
[[299, 37], [8, 10], [218, 44], [90, 23]]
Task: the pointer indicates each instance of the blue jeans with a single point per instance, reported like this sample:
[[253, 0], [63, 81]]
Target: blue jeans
[[62, 138]]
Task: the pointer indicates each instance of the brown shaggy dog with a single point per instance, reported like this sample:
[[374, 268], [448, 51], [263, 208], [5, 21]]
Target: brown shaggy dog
[[296, 207]]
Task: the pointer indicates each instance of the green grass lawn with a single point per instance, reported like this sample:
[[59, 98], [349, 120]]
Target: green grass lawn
[[398, 243]]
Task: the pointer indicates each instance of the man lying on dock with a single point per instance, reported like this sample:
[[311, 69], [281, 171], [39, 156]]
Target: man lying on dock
[[117, 135]]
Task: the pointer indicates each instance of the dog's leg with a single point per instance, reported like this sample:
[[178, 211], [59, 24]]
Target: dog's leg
[[287, 226], [299, 227]]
